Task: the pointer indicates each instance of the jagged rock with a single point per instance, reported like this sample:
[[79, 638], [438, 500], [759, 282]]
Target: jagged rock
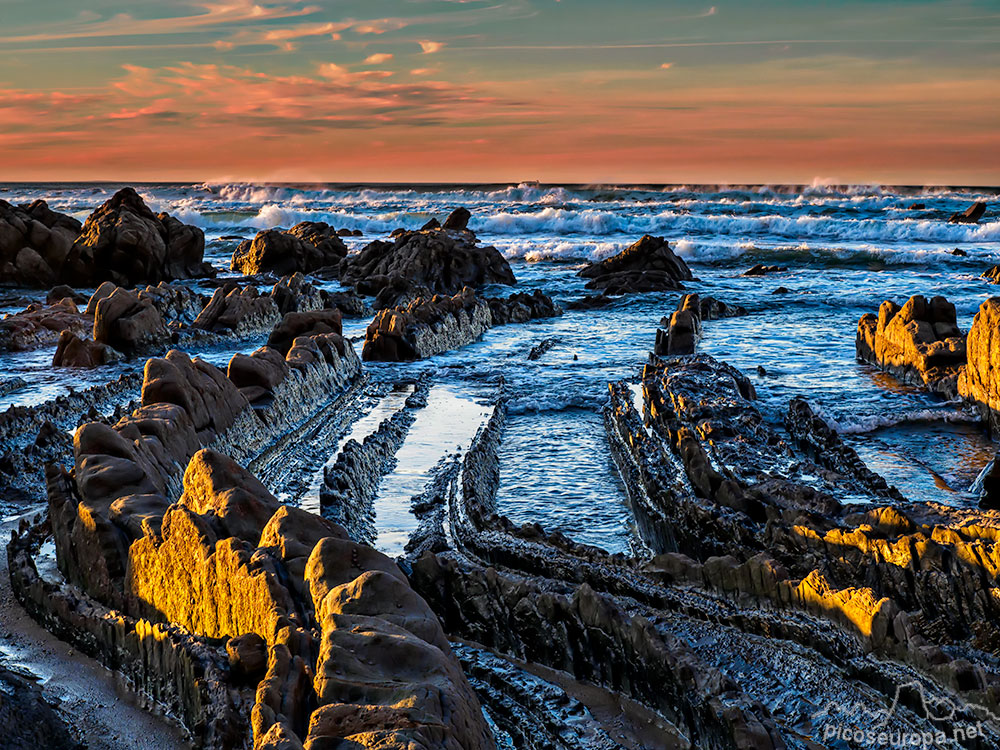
[[307, 246], [237, 503], [295, 324], [992, 275], [959, 253], [521, 307], [295, 294], [124, 242], [980, 380], [761, 270], [38, 325], [683, 328], [258, 374], [442, 260], [392, 291], [34, 244], [129, 324], [61, 292], [648, 265], [174, 302], [238, 311], [919, 342], [351, 304], [73, 351], [458, 220], [971, 215], [916, 207], [426, 327]]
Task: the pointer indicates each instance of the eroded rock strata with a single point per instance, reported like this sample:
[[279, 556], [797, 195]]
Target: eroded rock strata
[[308, 246], [34, 244], [648, 265], [919, 342]]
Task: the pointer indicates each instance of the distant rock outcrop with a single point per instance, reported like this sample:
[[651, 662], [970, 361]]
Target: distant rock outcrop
[[125, 242], [971, 215], [441, 260], [307, 246], [40, 325], [992, 275], [919, 343], [648, 265], [34, 244]]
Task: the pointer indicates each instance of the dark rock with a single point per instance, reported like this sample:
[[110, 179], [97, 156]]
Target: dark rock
[[959, 252], [971, 215], [38, 326], [521, 307], [648, 265], [458, 220], [591, 302], [247, 657], [73, 351], [442, 260], [297, 324], [238, 311], [124, 242], [683, 329], [916, 207], [61, 292], [760, 270], [426, 326], [34, 244], [306, 246], [129, 324], [432, 224], [781, 290]]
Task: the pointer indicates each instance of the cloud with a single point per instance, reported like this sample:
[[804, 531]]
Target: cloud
[[429, 47], [378, 58], [667, 66]]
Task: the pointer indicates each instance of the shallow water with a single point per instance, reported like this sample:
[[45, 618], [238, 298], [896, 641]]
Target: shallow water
[[847, 249]]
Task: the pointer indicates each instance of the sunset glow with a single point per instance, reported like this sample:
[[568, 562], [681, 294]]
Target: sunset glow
[[474, 90]]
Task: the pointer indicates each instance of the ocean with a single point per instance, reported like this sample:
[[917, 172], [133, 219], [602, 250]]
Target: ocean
[[846, 249]]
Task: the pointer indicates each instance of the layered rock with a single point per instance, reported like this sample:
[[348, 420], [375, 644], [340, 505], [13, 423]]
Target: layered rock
[[34, 244], [971, 215], [40, 325], [521, 307], [648, 265], [238, 311], [442, 260], [125, 242], [918, 343], [426, 327], [129, 323], [980, 381], [295, 324], [307, 246], [326, 634], [74, 351], [992, 275], [682, 329]]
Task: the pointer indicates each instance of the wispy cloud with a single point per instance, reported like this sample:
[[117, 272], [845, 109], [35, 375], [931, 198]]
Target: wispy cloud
[[429, 47], [378, 58]]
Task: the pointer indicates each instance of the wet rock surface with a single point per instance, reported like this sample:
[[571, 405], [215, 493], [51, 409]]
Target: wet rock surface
[[35, 242], [125, 242], [440, 259], [648, 265], [39, 325], [308, 246], [971, 215], [919, 343]]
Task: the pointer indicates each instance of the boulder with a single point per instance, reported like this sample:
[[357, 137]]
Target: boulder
[[295, 294], [258, 374], [918, 343], [980, 380], [129, 324], [521, 307], [63, 291], [73, 351], [426, 326], [458, 220], [444, 260], [992, 275], [296, 324], [125, 242], [39, 325], [238, 311], [307, 246], [683, 329], [34, 244], [174, 302], [648, 265], [761, 270], [971, 215]]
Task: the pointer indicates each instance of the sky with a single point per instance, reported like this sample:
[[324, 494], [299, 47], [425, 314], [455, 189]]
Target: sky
[[577, 91]]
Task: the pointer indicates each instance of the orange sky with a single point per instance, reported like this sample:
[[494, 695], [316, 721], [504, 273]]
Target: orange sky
[[463, 90]]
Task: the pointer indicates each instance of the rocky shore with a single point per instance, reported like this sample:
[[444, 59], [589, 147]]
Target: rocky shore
[[206, 524]]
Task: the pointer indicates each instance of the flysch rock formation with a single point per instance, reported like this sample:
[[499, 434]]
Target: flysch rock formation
[[648, 265], [436, 259], [429, 326], [248, 618], [918, 343], [680, 332], [307, 246]]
